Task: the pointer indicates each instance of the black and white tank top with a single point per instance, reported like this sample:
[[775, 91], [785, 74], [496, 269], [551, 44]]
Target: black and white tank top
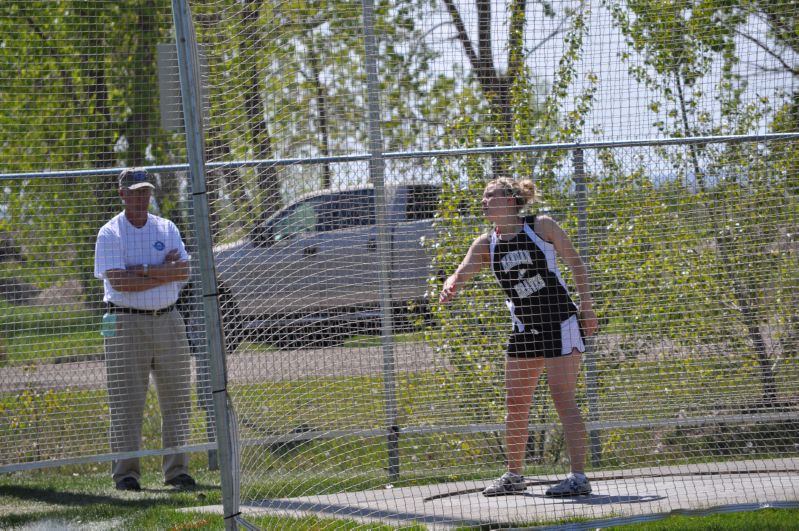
[[526, 269]]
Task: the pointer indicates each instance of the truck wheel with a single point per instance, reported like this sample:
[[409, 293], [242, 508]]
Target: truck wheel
[[311, 336], [329, 335]]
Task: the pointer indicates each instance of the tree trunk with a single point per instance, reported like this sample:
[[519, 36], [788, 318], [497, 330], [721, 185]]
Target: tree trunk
[[268, 184], [750, 318], [143, 98], [321, 106], [495, 87], [100, 138]]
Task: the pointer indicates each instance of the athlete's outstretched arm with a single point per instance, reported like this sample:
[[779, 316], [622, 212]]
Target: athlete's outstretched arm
[[552, 232], [476, 257]]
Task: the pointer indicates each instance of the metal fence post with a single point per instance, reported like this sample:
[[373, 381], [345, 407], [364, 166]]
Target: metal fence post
[[377, 176], [188, 67], [592, 389]]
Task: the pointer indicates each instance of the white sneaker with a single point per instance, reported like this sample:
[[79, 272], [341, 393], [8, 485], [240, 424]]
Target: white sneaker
[[509, 483], [571, 486]]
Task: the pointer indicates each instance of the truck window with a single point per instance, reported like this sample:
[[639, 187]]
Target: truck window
[[422, 202], [301, 218], [351, 208]]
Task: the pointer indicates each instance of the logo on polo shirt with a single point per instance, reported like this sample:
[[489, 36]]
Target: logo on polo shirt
[[159, 246]]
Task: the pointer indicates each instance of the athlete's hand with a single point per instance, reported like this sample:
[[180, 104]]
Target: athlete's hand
[[448, 290], [588, 321]]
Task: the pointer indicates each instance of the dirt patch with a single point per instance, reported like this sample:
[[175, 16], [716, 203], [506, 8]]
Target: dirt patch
[[65, 294]]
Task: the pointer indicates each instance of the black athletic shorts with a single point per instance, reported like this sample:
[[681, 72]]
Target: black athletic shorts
[[559, 339]]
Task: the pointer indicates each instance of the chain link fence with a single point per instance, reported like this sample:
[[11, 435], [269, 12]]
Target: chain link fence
[[330, 177]]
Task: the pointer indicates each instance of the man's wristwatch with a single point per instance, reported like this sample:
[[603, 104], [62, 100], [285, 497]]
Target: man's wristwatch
[[146, 269]]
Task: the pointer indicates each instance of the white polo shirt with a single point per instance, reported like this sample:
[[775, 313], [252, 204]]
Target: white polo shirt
[[121, 245]]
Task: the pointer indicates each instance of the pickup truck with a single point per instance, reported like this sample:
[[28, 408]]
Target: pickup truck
[[312, 271]]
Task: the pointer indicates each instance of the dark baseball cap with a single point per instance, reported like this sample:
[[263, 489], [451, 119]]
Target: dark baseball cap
[[135, 178]]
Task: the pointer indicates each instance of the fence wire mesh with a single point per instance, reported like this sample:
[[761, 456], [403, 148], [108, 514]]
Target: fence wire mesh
[[662, 138]]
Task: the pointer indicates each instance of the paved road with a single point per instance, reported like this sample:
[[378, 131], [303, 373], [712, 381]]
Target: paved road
[[251, 366], [243, 367]]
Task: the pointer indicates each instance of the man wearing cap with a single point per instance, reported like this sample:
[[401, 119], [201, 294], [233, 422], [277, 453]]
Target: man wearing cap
[[143, 263]]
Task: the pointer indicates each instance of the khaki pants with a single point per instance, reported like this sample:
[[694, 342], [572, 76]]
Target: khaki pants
[[144, 345]]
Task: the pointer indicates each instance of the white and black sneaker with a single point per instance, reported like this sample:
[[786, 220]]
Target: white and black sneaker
[[509, 483], [573, 485]]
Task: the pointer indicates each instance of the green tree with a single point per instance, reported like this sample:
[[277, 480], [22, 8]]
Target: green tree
[[781, 44], [78, 93], [679, 45]]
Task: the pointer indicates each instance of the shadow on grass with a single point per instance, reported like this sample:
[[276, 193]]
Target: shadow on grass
[[24, 504], [52, 496]]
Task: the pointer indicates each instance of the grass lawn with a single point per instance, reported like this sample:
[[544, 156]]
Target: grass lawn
[[763, 520]]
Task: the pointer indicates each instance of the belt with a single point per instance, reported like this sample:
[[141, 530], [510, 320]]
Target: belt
[[122, 309]]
